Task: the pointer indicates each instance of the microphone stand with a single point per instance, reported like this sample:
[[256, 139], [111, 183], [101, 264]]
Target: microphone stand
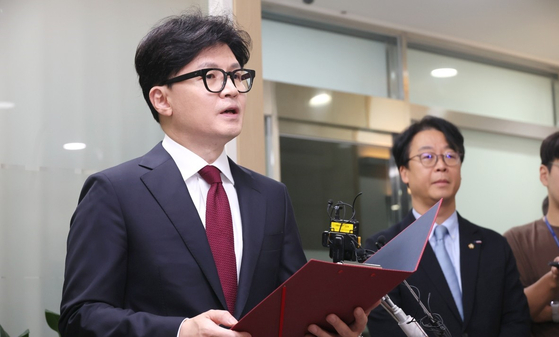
[[408, 324], [345, 243]]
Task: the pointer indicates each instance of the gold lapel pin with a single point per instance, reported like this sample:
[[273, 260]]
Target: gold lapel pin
[[471, 246]]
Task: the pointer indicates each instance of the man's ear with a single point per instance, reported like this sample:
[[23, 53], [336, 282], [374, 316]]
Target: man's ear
[[544, 175], [159, 100], [404, 175]]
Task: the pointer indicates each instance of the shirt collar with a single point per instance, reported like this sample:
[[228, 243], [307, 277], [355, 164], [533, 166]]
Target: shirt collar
[[451, 224], [189, 163]]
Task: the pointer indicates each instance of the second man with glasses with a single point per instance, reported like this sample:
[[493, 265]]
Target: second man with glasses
[[467, 274]]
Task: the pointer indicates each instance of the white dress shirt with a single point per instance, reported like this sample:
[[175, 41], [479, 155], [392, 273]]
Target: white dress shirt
[[189, 164]]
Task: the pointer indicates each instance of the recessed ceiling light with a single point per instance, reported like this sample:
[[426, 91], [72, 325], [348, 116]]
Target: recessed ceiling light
[[444, 72], [74, 146], [7, 105], [320, 99]]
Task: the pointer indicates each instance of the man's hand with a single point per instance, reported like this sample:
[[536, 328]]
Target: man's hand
[[343, 330], [555, 270], [554, 279], [208, 324]]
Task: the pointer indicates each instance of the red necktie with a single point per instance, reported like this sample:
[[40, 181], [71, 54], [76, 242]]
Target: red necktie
[[219, 230]]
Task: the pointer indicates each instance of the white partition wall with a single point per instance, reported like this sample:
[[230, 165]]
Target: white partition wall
[[66, 75], [317, 58], [481, 89], [500, 180]]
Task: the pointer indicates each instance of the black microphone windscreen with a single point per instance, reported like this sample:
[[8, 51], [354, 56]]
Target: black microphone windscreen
[[381, 241]]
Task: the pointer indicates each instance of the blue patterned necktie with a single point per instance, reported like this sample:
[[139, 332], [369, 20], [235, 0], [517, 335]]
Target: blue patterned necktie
[[448, 267]]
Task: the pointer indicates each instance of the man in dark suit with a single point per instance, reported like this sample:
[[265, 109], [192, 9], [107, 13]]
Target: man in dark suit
[[182, 241], [469, 277]]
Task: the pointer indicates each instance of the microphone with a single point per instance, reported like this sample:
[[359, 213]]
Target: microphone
[[407, 323], [345, 244], [381, 241]]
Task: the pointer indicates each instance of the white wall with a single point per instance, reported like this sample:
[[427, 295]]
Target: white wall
[[480, 89], [321, 59], [68, 66], [500, 180]]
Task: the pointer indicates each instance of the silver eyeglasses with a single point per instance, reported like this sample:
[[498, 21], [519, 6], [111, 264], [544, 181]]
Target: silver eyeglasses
[[430, 159]]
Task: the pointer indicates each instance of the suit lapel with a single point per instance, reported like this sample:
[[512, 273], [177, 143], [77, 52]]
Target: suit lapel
[[165, 183], [253, 216], [429, 265], [470, 252]]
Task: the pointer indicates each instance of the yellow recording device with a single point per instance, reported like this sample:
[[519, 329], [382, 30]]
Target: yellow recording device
[[343, 235]]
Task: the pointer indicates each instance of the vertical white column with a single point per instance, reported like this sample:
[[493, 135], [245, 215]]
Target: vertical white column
[[220, 7]]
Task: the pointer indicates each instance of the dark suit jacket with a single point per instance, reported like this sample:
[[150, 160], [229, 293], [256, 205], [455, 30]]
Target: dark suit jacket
[[492, 296], [139, 262]]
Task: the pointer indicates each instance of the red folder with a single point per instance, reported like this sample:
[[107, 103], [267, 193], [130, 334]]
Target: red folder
[[321, 288]]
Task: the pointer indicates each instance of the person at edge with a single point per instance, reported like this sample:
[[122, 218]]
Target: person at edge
[[535, 244], [468, 274]]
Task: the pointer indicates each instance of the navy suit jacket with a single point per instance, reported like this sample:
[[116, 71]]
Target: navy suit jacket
[[492, 296], [138, 260]]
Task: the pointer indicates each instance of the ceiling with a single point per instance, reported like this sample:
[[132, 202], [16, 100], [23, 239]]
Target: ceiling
[[528, 29]]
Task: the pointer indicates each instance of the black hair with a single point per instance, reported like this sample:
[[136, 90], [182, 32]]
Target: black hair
[[176, 40], [545, 205], [401, 147], [549, 150]]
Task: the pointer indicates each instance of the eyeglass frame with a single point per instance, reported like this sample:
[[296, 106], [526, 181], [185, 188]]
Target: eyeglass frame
[[203, 72], [442, 155]]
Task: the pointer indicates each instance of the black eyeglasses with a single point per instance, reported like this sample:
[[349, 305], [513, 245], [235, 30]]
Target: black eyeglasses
[[215, 79], [430, 159]]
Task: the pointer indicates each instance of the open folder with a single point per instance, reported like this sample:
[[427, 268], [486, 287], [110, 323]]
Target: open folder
[[321, 288]]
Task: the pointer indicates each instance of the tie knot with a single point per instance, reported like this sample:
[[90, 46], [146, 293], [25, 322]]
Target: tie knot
[[440, 232], [210, 174]]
